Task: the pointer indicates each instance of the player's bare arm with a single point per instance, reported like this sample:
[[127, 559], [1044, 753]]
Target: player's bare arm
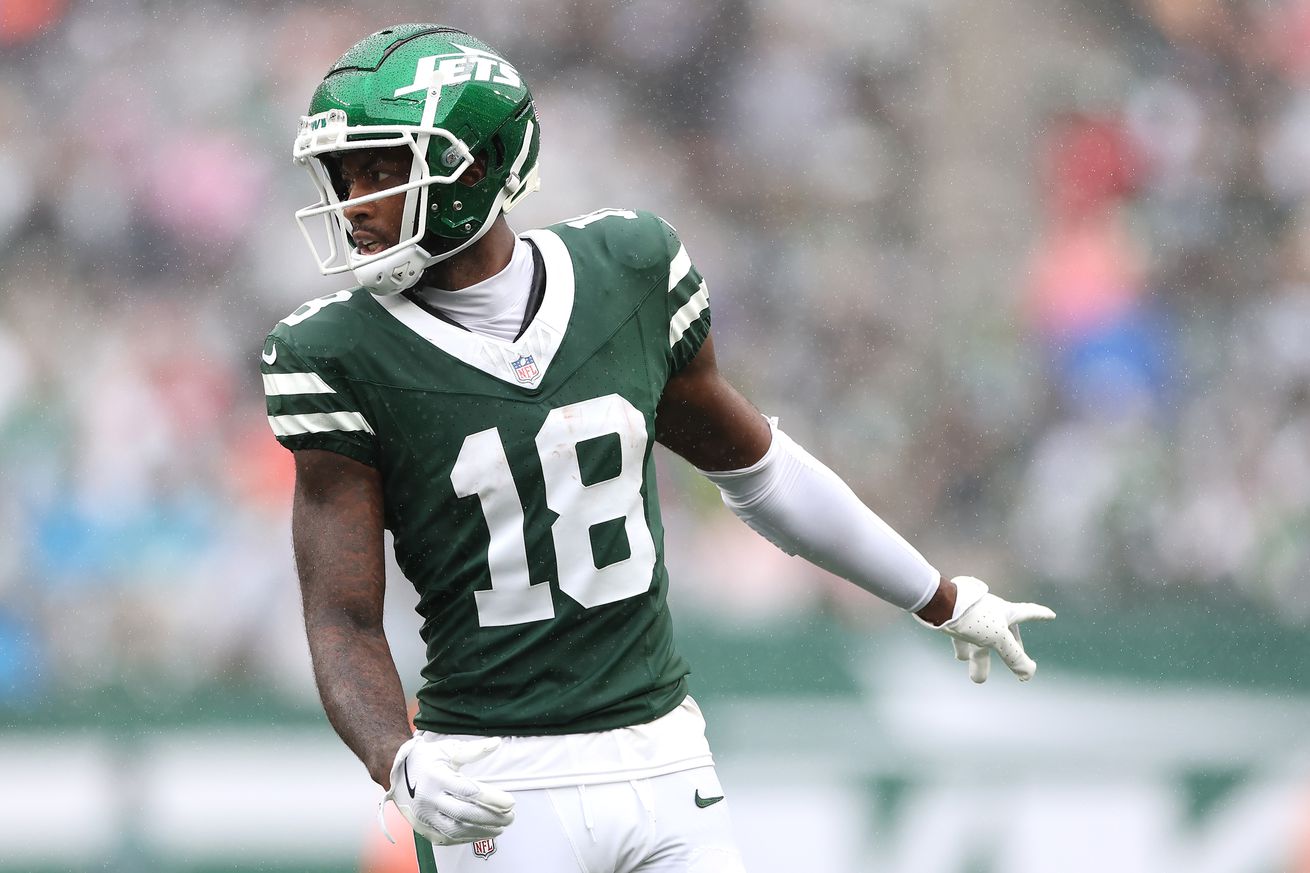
[[792, 499], [337, 527], [708, 422], [337, 532]]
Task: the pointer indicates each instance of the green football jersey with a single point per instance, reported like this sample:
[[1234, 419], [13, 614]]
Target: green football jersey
[[517, 477]]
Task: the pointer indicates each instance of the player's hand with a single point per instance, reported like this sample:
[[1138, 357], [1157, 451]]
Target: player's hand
[[438, 801], [983, 622]]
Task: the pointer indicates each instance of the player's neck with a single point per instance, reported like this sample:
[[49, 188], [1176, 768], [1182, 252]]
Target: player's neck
[[480, 261]]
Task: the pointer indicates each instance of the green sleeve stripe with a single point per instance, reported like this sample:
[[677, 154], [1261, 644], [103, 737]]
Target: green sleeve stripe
[[276, 384], [688, 313], [679, 267], [686, 289], [303, 404], [317, 422]]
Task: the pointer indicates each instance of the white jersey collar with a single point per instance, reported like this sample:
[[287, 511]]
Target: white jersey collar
[[524, 361]]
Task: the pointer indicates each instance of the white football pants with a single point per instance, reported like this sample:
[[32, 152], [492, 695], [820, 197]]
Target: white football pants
[[676, 823]]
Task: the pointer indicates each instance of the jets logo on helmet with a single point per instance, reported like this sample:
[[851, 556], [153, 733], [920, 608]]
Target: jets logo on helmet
[[469, 63], [450, 99]]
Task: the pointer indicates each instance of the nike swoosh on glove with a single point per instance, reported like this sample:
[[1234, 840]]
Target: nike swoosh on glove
[[983, 622], [438, 801]]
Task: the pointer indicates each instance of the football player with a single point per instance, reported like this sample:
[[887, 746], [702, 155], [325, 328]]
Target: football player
[[492, 399]]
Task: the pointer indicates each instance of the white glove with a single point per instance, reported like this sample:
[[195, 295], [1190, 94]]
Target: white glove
[[982, 622], [438, 801]]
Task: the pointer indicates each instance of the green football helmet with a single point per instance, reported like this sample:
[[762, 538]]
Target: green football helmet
[[449, 98]]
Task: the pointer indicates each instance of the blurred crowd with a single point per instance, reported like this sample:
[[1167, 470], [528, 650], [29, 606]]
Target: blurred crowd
[[1037, 284]]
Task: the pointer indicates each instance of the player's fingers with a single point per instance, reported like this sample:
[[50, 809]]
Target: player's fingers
[[1030, 612], [468, 751], [1012, 653], [447, 831], [472, 814], [495, 800], [457, 785], [426, 826], [962, 649], [980, 664]]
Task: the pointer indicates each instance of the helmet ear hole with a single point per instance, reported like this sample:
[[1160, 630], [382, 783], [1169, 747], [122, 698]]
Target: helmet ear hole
[[496, 153], [476, 172]]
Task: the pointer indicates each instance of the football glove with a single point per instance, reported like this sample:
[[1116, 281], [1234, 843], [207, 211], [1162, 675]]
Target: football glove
[[438, 801], [983, 622]]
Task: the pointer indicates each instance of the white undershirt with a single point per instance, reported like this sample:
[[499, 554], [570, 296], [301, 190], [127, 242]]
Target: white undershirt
[[495, 306]]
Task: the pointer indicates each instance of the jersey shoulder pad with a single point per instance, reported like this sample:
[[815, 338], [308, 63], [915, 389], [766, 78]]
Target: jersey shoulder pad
[[328, 326], [639, 241], [310, 395]]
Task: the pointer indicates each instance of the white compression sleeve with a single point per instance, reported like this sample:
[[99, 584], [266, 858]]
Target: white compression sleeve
[[798, 504]]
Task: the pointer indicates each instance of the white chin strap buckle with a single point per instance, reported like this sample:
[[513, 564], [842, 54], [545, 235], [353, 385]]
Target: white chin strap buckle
[[393, 273]]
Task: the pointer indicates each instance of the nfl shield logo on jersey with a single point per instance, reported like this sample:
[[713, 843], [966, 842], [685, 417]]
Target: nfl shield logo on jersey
[[484, 848], [525, 369]]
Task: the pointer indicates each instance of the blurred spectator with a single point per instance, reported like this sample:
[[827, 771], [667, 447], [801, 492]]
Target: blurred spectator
[[21, 22]]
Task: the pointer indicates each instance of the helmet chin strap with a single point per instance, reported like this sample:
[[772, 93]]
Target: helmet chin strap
[[400, 270], [392, 273]]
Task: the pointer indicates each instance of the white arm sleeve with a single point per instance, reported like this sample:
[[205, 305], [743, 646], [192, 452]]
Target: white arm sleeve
[[798, 504]]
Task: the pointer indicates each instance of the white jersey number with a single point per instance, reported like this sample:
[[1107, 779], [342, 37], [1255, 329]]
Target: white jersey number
[[482, 469], [315, 306], [592, 217]]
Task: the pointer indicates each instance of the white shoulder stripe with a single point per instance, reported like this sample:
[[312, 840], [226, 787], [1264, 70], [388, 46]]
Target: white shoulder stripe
[[688, 313], [317, 422], [679, 267], [276, 384]]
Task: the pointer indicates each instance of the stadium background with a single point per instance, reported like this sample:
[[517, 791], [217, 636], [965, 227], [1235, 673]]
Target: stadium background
[[1032, 274]]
